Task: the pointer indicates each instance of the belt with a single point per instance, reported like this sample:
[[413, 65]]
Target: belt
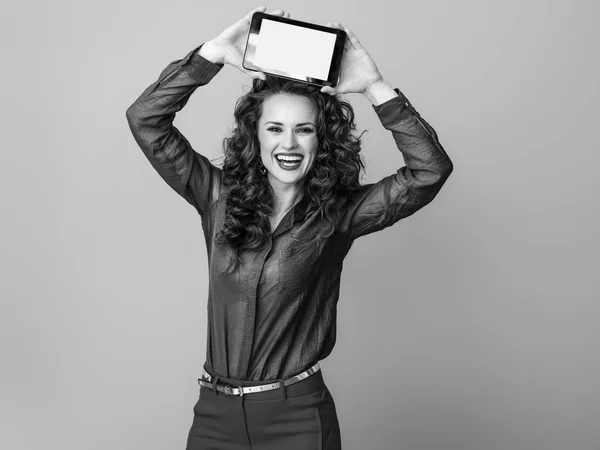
[[241, 390]]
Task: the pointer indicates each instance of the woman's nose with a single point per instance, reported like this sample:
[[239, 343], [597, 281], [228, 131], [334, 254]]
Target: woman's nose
[[289, 140]]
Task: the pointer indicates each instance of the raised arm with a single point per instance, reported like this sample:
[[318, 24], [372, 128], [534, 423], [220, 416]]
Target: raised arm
[[378, 205], [151, 118]]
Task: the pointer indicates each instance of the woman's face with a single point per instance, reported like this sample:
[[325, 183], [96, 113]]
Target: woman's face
[[287, 127]]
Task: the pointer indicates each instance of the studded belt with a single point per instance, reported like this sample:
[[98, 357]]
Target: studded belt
[[242, 390]]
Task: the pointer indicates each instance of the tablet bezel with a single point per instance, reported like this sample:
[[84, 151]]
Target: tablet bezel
[[337, 56]]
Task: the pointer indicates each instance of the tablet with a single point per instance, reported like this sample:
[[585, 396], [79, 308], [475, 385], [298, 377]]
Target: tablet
[[295, 50]]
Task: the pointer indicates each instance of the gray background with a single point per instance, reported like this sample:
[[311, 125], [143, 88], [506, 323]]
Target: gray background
[[104, 271]]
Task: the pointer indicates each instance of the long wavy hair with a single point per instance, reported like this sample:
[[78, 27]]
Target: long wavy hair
[[329, 184]]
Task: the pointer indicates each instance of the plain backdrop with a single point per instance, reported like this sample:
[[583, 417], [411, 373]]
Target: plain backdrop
[[104, 267]]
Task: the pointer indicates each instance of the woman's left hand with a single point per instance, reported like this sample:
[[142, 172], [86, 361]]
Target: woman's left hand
[[359, 72]]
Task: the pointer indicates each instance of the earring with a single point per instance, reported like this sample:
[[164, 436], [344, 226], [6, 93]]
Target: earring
[[263, 169]]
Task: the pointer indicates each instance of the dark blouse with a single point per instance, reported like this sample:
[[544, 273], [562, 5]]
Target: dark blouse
[[276, 315]]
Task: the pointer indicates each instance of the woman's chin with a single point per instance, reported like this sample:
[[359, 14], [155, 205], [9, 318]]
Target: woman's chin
[[288, 177]]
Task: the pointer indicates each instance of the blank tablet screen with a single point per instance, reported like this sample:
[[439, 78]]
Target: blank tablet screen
[[294, 50]]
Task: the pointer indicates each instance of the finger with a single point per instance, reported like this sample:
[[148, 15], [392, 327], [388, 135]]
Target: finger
[[257, 75], [248, 17], [347, 45], [257, 9], [328, 90], [286, 15], [250, 73], [277, 12], [352, 38]]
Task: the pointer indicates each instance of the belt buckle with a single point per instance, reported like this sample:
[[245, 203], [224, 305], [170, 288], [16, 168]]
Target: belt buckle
[[229, 390]]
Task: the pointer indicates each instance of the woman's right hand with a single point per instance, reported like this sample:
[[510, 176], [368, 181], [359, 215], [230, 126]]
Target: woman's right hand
[[231, 43]]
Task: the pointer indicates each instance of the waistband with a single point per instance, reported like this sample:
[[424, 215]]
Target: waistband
[[307, 381], [240, 382]]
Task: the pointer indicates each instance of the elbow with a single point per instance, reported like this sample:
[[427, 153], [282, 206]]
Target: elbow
[[437, 178], [444, 173], [447, 170], [435, 182], [132, 115], [444, 169], [137, 126], [137, 120]]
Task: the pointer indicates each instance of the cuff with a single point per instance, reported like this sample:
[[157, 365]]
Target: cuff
[[394, 110], [199, 68]]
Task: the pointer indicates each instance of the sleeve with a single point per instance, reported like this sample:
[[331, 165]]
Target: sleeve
[[379, 205], [151, 117]]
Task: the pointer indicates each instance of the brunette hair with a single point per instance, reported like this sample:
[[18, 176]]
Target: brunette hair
[[329, 184]]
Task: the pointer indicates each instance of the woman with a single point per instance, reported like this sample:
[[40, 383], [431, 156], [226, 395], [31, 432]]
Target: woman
[[278, 219]]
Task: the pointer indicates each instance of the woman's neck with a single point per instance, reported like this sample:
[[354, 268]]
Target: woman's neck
[[285, 199]]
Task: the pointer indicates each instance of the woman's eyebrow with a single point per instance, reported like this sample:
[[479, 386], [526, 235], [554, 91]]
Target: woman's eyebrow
[[303, 123]]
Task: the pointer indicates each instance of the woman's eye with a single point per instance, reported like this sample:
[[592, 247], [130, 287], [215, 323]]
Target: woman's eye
[[276, 129]]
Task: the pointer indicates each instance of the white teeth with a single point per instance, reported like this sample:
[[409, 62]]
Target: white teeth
[[289, 158]]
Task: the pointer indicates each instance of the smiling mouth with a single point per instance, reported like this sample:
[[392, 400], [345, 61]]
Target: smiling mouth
[[289, 162], [289, 156]]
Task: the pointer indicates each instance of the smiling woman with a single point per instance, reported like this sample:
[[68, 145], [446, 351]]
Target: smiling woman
[[281, 119], [288, 159], [290, 145], [278, 219]]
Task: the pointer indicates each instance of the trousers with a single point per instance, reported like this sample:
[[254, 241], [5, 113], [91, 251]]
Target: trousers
[[301, 416]]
